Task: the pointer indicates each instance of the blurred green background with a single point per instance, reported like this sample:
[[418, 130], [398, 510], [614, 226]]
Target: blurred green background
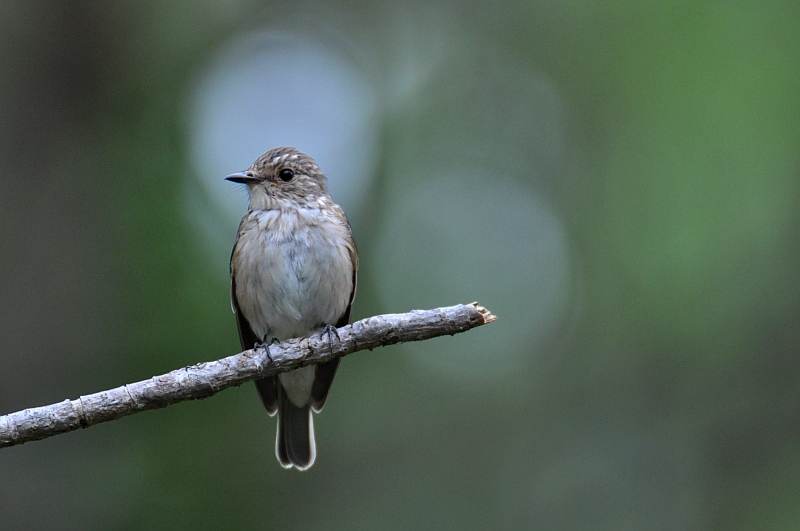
[[618, 181]]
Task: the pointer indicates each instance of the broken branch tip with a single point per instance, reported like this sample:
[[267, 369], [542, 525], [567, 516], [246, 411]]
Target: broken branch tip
[[488, 316]]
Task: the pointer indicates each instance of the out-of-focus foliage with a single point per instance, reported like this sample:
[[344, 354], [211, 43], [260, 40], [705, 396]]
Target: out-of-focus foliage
[[618, 181]]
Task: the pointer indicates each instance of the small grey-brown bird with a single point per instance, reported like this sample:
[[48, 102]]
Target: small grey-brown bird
[[293, 273]]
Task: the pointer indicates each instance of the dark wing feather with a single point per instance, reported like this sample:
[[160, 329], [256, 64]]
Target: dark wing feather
[[247, 337]]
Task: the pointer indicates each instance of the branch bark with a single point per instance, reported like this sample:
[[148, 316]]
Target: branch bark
[[208, 378]]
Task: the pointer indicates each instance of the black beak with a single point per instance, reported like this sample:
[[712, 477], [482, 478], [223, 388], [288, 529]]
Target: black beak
[[241, 178]]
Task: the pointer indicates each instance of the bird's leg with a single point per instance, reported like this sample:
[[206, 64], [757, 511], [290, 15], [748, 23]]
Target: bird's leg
[[265, 345], [330, 330]]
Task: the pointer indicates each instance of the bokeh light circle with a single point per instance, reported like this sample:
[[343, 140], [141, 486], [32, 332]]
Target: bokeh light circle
[[468, 235], [270, 89]]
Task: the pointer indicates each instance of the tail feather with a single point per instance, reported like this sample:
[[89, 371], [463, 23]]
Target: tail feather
[[294, 443], [323, 378], [268, 391]]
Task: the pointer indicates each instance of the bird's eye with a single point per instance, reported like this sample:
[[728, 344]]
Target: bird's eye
[[286, 175]]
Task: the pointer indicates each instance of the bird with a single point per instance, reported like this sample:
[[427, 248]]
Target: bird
[[293, 270]]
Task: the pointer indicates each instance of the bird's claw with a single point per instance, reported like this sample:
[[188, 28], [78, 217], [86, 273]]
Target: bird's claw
[[330, 330], [265, 345]]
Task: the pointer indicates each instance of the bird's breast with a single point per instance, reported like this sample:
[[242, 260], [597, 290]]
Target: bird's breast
[[293, 271]]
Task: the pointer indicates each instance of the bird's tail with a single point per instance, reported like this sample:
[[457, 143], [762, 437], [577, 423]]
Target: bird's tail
[[294, 443]]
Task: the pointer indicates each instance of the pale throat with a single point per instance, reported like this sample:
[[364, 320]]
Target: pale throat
[[261, 200]]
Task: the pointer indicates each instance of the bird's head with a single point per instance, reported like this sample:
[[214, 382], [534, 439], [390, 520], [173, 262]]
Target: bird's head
[[283, 177]]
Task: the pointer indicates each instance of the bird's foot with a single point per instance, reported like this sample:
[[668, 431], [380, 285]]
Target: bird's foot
[[265, 345], [331, 330]]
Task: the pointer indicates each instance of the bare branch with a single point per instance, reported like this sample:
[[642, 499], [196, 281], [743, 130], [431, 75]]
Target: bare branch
[[205, 379]]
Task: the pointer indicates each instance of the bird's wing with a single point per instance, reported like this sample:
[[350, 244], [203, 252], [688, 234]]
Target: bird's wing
[[326, 371]]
